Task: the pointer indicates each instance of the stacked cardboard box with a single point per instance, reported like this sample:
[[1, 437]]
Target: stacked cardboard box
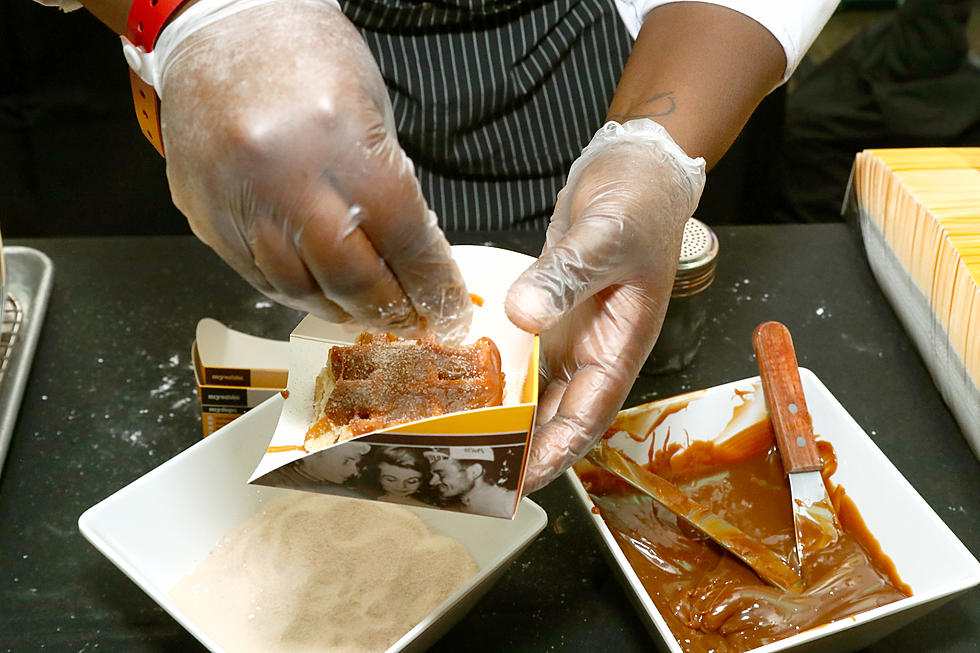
[[235, 372], [919, 212]]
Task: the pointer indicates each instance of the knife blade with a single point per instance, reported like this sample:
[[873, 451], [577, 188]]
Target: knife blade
[[770, 567], [815, 522]]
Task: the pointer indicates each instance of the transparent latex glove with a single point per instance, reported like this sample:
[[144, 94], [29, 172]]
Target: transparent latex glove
[[599, 291], [282, 153]]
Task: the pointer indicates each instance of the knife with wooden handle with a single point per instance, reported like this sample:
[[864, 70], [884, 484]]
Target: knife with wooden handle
[[814, 519], [770, 567]]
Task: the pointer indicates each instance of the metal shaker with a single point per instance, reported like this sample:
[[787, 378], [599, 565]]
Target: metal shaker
[[687, 312]]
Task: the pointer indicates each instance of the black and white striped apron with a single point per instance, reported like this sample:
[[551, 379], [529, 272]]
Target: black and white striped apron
[[494, 99]]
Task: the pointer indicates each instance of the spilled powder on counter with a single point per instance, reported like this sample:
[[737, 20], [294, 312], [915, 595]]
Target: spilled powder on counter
[[311, 572]]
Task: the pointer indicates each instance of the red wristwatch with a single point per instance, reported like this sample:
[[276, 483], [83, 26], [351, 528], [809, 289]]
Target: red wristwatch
[[146, 20]]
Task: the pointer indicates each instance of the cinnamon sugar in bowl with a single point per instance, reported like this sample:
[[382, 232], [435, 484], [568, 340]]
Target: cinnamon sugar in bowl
[[163, 525]]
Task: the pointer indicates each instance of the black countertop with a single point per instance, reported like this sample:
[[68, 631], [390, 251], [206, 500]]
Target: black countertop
[[111, 395]]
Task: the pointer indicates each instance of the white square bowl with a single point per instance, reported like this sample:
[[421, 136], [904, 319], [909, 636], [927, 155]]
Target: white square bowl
[[927, 555], [161, 526]]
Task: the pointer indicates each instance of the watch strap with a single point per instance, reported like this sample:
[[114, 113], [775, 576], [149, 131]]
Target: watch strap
[[147, 104], [144, 24], [146, 19]]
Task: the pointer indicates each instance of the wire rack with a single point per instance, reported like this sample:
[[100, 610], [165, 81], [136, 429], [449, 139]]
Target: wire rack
[[13, 319]]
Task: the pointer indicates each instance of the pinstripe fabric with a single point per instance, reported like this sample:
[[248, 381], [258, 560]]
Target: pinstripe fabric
[[494, 99]]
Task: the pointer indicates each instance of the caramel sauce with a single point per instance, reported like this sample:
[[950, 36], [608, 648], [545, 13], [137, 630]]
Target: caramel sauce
[[665, 413], [285, 447], [711, 600], [851, 519], [629, 424], [319, 427], [701, 458]]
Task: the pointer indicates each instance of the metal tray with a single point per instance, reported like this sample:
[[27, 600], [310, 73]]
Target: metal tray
[[28, 286]]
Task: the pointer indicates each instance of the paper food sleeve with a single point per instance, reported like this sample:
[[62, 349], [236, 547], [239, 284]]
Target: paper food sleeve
[[473, 461]]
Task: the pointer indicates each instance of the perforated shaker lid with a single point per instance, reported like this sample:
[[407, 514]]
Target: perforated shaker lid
[[699, 257]]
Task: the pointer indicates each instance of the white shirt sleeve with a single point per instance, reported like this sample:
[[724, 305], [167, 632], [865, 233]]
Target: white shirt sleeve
[[66, 5], [794, 23]]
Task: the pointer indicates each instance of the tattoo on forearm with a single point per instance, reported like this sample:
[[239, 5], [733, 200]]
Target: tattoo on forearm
[[655, 106]]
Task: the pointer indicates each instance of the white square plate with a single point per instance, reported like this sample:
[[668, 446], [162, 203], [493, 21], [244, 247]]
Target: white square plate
[[160, 527], [928, 556]]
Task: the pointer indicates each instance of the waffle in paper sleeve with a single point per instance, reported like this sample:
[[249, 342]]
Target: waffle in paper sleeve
[[472, 461]]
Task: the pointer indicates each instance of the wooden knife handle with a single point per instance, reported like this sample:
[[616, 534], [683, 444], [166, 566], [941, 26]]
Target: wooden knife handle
[[784, 397]]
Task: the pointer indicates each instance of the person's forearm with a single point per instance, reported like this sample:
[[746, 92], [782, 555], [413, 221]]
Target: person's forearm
[[111, 12], [699, 70]]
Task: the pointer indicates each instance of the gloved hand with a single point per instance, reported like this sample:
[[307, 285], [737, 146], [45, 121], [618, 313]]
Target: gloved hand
[[599, 291], [282, 153]]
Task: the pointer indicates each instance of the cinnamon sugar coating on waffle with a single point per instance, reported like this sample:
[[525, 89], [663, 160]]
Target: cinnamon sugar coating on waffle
[[381, 381]]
